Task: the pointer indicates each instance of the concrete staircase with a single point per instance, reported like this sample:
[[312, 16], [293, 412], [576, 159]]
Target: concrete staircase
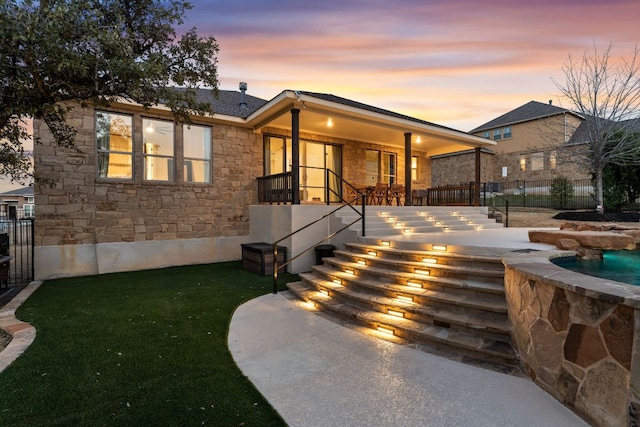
[[430, 296], [398, 220]]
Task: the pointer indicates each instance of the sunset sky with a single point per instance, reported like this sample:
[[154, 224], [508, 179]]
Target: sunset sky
[[458, 63]]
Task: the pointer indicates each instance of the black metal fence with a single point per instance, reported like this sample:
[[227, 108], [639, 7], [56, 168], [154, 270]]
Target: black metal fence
[[548, 193], [18, 235]]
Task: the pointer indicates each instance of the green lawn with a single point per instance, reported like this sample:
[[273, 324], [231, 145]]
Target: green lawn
[[146, 348]]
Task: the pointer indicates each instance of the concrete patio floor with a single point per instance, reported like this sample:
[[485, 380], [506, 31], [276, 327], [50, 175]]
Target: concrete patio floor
[[316, 372]]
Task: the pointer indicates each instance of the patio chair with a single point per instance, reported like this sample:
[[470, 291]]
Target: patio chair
[[379, 195], [396, 191]]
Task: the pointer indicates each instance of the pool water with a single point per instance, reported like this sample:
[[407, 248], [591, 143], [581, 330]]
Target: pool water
[[621, 266]]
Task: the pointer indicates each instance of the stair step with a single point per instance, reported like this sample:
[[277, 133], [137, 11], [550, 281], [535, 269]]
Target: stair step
[[404, 276], [408, 264], [477, 347], [489, 322], [471, 300]]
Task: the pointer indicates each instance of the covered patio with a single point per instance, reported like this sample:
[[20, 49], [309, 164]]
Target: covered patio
[[356, 133]]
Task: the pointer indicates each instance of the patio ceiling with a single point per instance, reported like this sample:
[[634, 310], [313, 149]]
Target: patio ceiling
[[360, 124]]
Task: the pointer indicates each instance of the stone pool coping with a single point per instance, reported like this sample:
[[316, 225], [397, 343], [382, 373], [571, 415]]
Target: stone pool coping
[[538, 265]]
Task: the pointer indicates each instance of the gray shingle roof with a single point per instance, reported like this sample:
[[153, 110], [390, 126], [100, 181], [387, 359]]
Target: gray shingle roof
[[532, 110], [227, 102], [24, 191]]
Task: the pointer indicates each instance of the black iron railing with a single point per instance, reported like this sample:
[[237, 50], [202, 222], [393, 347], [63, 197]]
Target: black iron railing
[[359, 197]]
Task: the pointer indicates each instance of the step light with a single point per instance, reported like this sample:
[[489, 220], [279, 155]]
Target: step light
[[324, 292], [309, 305], [373, 253], [384, 330], [350, 271], [361, 262], [407, 231], [446, 228], [462, 217], [395, 313], [414, 285], [422, 272], [399, 224], [385, 243], [391, 219], [478, 227], [469, 222], [439, 247], [422, 213], [404, 298], [384, 213], [454, 213], [429, 260], [438, 222], [337, 281], [430, 218]]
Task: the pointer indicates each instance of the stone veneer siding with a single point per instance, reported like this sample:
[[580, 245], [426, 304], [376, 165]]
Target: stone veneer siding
[[577, 337], [460, 169], [84, 209]]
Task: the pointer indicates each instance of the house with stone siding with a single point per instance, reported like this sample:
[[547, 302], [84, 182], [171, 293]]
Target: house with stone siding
[[141, 191], [536, 141]]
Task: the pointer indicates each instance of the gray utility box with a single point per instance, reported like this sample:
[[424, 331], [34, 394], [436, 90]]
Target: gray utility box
[[258, 258]]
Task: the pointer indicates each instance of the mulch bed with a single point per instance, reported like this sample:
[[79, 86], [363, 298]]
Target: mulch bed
[[599, 217]]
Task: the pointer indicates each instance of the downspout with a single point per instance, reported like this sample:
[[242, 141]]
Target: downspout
[[407, 169]]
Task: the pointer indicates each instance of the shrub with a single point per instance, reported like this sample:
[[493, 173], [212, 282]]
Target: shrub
[[561, 192]]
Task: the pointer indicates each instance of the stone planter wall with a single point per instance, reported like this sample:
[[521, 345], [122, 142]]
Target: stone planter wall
[[577, 337]]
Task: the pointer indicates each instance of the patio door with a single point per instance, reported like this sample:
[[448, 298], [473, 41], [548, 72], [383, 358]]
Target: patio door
[[315, 159]]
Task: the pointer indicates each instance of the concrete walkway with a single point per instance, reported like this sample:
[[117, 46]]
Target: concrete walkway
[[316, 372]]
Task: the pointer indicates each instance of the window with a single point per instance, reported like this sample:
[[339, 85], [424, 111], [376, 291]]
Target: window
[[29, 211], [553, 161], [504, 171], [388, 168], [30, 199], [506, 132], [523, 163], [158, 150], [496, 135], [372, 161], [537, 161], [114, 145], [197, 154], [486, 134], [414, 168]]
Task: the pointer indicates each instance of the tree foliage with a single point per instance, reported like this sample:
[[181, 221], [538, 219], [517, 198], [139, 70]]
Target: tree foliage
[[561, 192], [58, 54], [605, 91]]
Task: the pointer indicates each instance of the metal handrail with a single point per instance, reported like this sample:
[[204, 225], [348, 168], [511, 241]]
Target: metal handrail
[[343, 202], [495, 208]]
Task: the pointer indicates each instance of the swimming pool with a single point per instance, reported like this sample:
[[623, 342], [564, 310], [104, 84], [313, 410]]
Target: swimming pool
[[621, 266]]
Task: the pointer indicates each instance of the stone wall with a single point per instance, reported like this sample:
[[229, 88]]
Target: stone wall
[[459, 169], [577, 337], [84, 209]]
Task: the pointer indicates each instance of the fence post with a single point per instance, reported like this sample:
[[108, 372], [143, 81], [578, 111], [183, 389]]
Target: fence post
[[524, 193]]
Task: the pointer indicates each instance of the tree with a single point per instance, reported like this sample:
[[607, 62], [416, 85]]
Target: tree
[[56, 55], [606, 93]]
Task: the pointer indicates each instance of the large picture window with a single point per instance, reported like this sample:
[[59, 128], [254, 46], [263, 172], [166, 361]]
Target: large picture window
[[158, 145], [197, 154], [114, 145]]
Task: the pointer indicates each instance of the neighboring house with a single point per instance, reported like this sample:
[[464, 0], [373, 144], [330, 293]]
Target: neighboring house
[[143, 192], [536, 141], [17, 204]]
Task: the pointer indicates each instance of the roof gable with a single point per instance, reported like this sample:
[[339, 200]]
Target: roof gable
[[532, 110]]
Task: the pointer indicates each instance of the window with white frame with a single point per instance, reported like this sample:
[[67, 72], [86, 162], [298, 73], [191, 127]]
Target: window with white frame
[[114, 145], [537, 161], [553, 160], [197, 154], [414, 168], [158, 143]]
